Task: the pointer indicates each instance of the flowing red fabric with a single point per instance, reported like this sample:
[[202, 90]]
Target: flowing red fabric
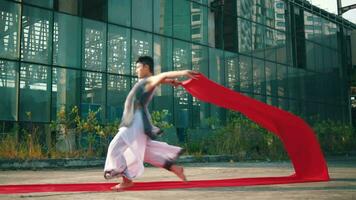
[[298, 138]]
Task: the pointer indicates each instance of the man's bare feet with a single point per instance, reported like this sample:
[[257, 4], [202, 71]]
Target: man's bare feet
[[179, 171], [126, 183]]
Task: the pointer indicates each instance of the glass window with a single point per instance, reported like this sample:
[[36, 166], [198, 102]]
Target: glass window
[[200, 59], [282, 80], [283, 103], [67, 6], [9, 29], [319, 59], [258, 12], [310, 55], [244, 36], [141, 45], [232, 71], [293, 83], [67, 40], [308, 25], [8, 90], [200, 63], [162, 54], [334, 29], [93, 94], [94, 45], [65, 90], [271, 79], [118, 87], [199, 23], [163, 17], [271, 44], [95, 9], [294, 107], [36, 45], [46, 4], [35, 90], [181, 20], [280, 4], [259, 78], [258, 40], [282, 53], [280, 20], [216, 73], [119, 50], [244, 8], [163, 100], [120, 12], [181, 60], [216, 65], [245, 64], [142, 16]]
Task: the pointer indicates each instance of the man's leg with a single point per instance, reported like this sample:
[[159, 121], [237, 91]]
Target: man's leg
[[161, 154], [115, 165]]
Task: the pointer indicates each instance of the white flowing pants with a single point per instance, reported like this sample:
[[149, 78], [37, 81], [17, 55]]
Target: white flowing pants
[[130, 148]]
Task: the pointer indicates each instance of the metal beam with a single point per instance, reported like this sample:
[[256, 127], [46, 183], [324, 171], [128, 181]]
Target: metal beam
[[347, 8]]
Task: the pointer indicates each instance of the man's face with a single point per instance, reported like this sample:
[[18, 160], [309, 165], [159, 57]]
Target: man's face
[[142, 70]]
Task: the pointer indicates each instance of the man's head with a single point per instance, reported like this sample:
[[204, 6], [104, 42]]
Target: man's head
[[144, 66]]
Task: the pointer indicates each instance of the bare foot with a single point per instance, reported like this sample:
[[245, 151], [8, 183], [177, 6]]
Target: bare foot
[[179, 171], [126, 183]]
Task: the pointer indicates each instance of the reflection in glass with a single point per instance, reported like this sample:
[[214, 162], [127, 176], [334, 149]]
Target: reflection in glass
[[9, 29], [181, 19], [42, 3], [232, 71], [141, 45], [199, 27], [244, 36], [65, 90], [259, 79], [119, 12], [271, 82], [181, 60], [93, 94], [35, 93], [37, 35], [163, 100], [118, 50], [245, 64], [117, 87], [163, 17], [66, 40], [8, 90], [142, 16], [94, 45], [282, 80], [200, 63]]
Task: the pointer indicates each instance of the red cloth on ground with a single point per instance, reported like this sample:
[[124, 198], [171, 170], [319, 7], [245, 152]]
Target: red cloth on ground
[[298, 138]]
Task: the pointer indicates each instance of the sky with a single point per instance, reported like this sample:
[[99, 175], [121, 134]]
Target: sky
[[331, 6]]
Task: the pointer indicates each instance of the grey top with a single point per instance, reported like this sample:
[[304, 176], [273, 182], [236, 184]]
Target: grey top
[[138, 99]]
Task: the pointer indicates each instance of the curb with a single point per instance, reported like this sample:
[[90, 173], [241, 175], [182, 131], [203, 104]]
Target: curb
[[7, 164]]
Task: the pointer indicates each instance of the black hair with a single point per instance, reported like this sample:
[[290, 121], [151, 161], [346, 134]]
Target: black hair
[[147, 60]]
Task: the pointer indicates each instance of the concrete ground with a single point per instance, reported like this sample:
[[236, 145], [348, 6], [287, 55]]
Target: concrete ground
[[342, 185]]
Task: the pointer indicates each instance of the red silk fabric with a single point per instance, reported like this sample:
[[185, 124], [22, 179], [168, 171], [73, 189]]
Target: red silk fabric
[[298, 138]]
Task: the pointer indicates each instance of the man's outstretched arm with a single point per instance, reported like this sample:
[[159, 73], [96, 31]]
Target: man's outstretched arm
[[167, 77]]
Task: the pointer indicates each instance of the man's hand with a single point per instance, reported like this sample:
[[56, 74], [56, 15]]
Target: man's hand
[[190, 74]]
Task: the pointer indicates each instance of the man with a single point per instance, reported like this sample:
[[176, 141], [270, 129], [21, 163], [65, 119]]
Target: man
[[133, 144]]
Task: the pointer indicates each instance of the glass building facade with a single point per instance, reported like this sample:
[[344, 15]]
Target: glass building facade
[[65, 53]]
